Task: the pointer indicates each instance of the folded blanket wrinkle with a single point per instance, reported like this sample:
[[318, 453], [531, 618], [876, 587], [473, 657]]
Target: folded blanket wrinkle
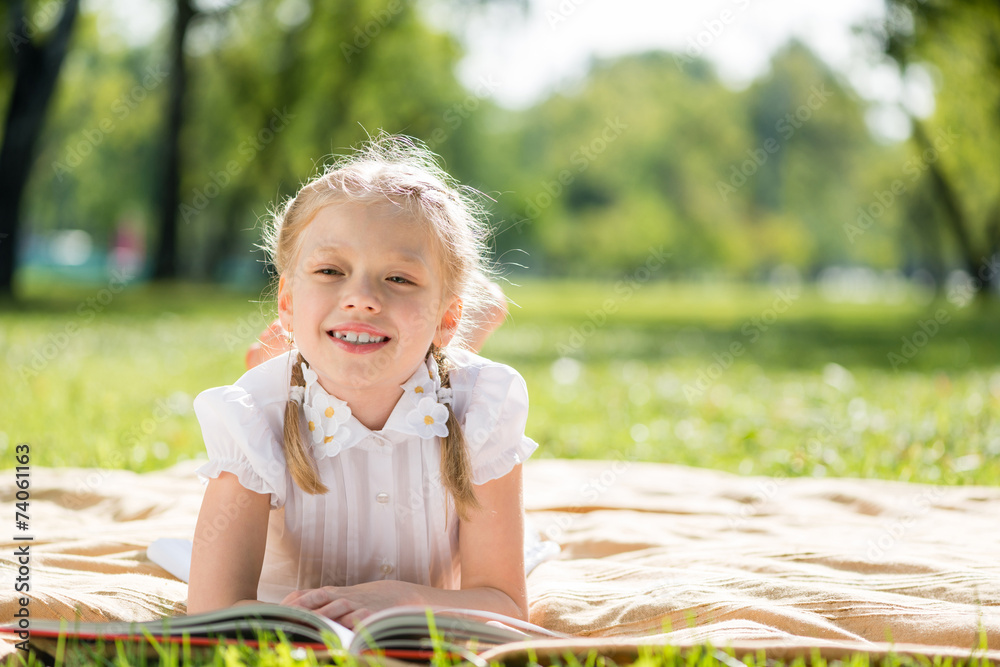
[[822, 558], [650, 553]]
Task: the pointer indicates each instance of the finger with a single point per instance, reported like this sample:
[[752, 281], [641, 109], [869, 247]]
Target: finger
[[338, 609], [351, 619], [291, 597], [359, 615], [314, 598]]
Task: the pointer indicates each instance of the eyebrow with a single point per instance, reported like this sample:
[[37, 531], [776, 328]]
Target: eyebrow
[[404, 257]]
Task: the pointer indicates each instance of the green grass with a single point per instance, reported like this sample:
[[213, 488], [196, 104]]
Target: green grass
[[272, 653], [705, 376], [283, 655], [696, 375]]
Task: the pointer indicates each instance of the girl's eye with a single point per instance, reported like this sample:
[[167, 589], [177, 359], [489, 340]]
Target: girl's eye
[[399, 280], [327, 272]]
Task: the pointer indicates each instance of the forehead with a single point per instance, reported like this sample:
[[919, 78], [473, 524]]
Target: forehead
[[377, 230]]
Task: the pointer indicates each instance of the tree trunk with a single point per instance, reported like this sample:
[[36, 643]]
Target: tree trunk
[[990, 276], [36, 72], [226, 241], [976, 264], [165, 258]]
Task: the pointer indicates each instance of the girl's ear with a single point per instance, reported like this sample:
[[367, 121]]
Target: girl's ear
[[284, 303], [449, 323]]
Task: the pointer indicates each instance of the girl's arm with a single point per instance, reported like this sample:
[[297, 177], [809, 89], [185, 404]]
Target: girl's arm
[[229, 542], [491, 542], [492, 547]]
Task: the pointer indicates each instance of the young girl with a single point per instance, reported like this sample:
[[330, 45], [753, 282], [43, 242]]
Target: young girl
[[377, 463]]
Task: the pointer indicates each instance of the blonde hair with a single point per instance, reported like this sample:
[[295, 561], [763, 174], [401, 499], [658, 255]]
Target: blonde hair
[[396, 171]]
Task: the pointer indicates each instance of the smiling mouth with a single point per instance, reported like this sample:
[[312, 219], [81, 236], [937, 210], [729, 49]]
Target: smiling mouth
[[357, 338]]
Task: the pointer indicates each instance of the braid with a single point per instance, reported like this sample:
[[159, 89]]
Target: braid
[[456, 469], [300, 461]]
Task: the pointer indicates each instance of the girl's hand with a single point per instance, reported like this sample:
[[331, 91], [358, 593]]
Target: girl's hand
[[350, 604]]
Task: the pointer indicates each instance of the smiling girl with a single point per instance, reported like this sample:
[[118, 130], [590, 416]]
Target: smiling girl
[[376, 463]]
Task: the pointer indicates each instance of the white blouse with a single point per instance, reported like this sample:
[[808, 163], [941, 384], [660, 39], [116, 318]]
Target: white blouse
[[387, 514]]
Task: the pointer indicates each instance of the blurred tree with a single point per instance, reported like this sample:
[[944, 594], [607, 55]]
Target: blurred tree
[[955, 150], [643, 153], [640, 154], [37, 60], [805, 170], [165, 250], [272, 86], [277, 84], [101, 147], [620, 164]]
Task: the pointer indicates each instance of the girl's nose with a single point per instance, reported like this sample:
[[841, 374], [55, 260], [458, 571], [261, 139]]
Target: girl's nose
[[361, 295]]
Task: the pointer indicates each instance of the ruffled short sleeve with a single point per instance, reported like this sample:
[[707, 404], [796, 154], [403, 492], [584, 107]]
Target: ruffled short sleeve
[[240, 440], [494, 423]]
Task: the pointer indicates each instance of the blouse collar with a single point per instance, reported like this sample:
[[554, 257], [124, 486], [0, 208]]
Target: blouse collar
[[421, 411]]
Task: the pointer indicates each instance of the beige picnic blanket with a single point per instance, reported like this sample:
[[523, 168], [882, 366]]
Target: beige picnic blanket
[[651, 553]]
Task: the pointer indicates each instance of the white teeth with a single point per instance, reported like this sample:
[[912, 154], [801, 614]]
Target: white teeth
[[357, 338]]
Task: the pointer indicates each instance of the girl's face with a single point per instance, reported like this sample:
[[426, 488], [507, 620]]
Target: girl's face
[[365, 299]]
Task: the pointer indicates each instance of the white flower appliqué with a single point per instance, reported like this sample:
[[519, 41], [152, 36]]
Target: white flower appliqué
[[444, 395], [325, 416], [429, 418]]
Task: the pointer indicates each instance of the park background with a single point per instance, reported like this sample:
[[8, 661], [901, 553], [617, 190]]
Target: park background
[[755, 236]]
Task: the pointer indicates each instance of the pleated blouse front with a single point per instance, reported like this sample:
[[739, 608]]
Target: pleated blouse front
[[387, 514]]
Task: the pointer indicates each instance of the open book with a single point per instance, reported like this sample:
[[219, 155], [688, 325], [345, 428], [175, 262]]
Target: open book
[[401, 632]]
